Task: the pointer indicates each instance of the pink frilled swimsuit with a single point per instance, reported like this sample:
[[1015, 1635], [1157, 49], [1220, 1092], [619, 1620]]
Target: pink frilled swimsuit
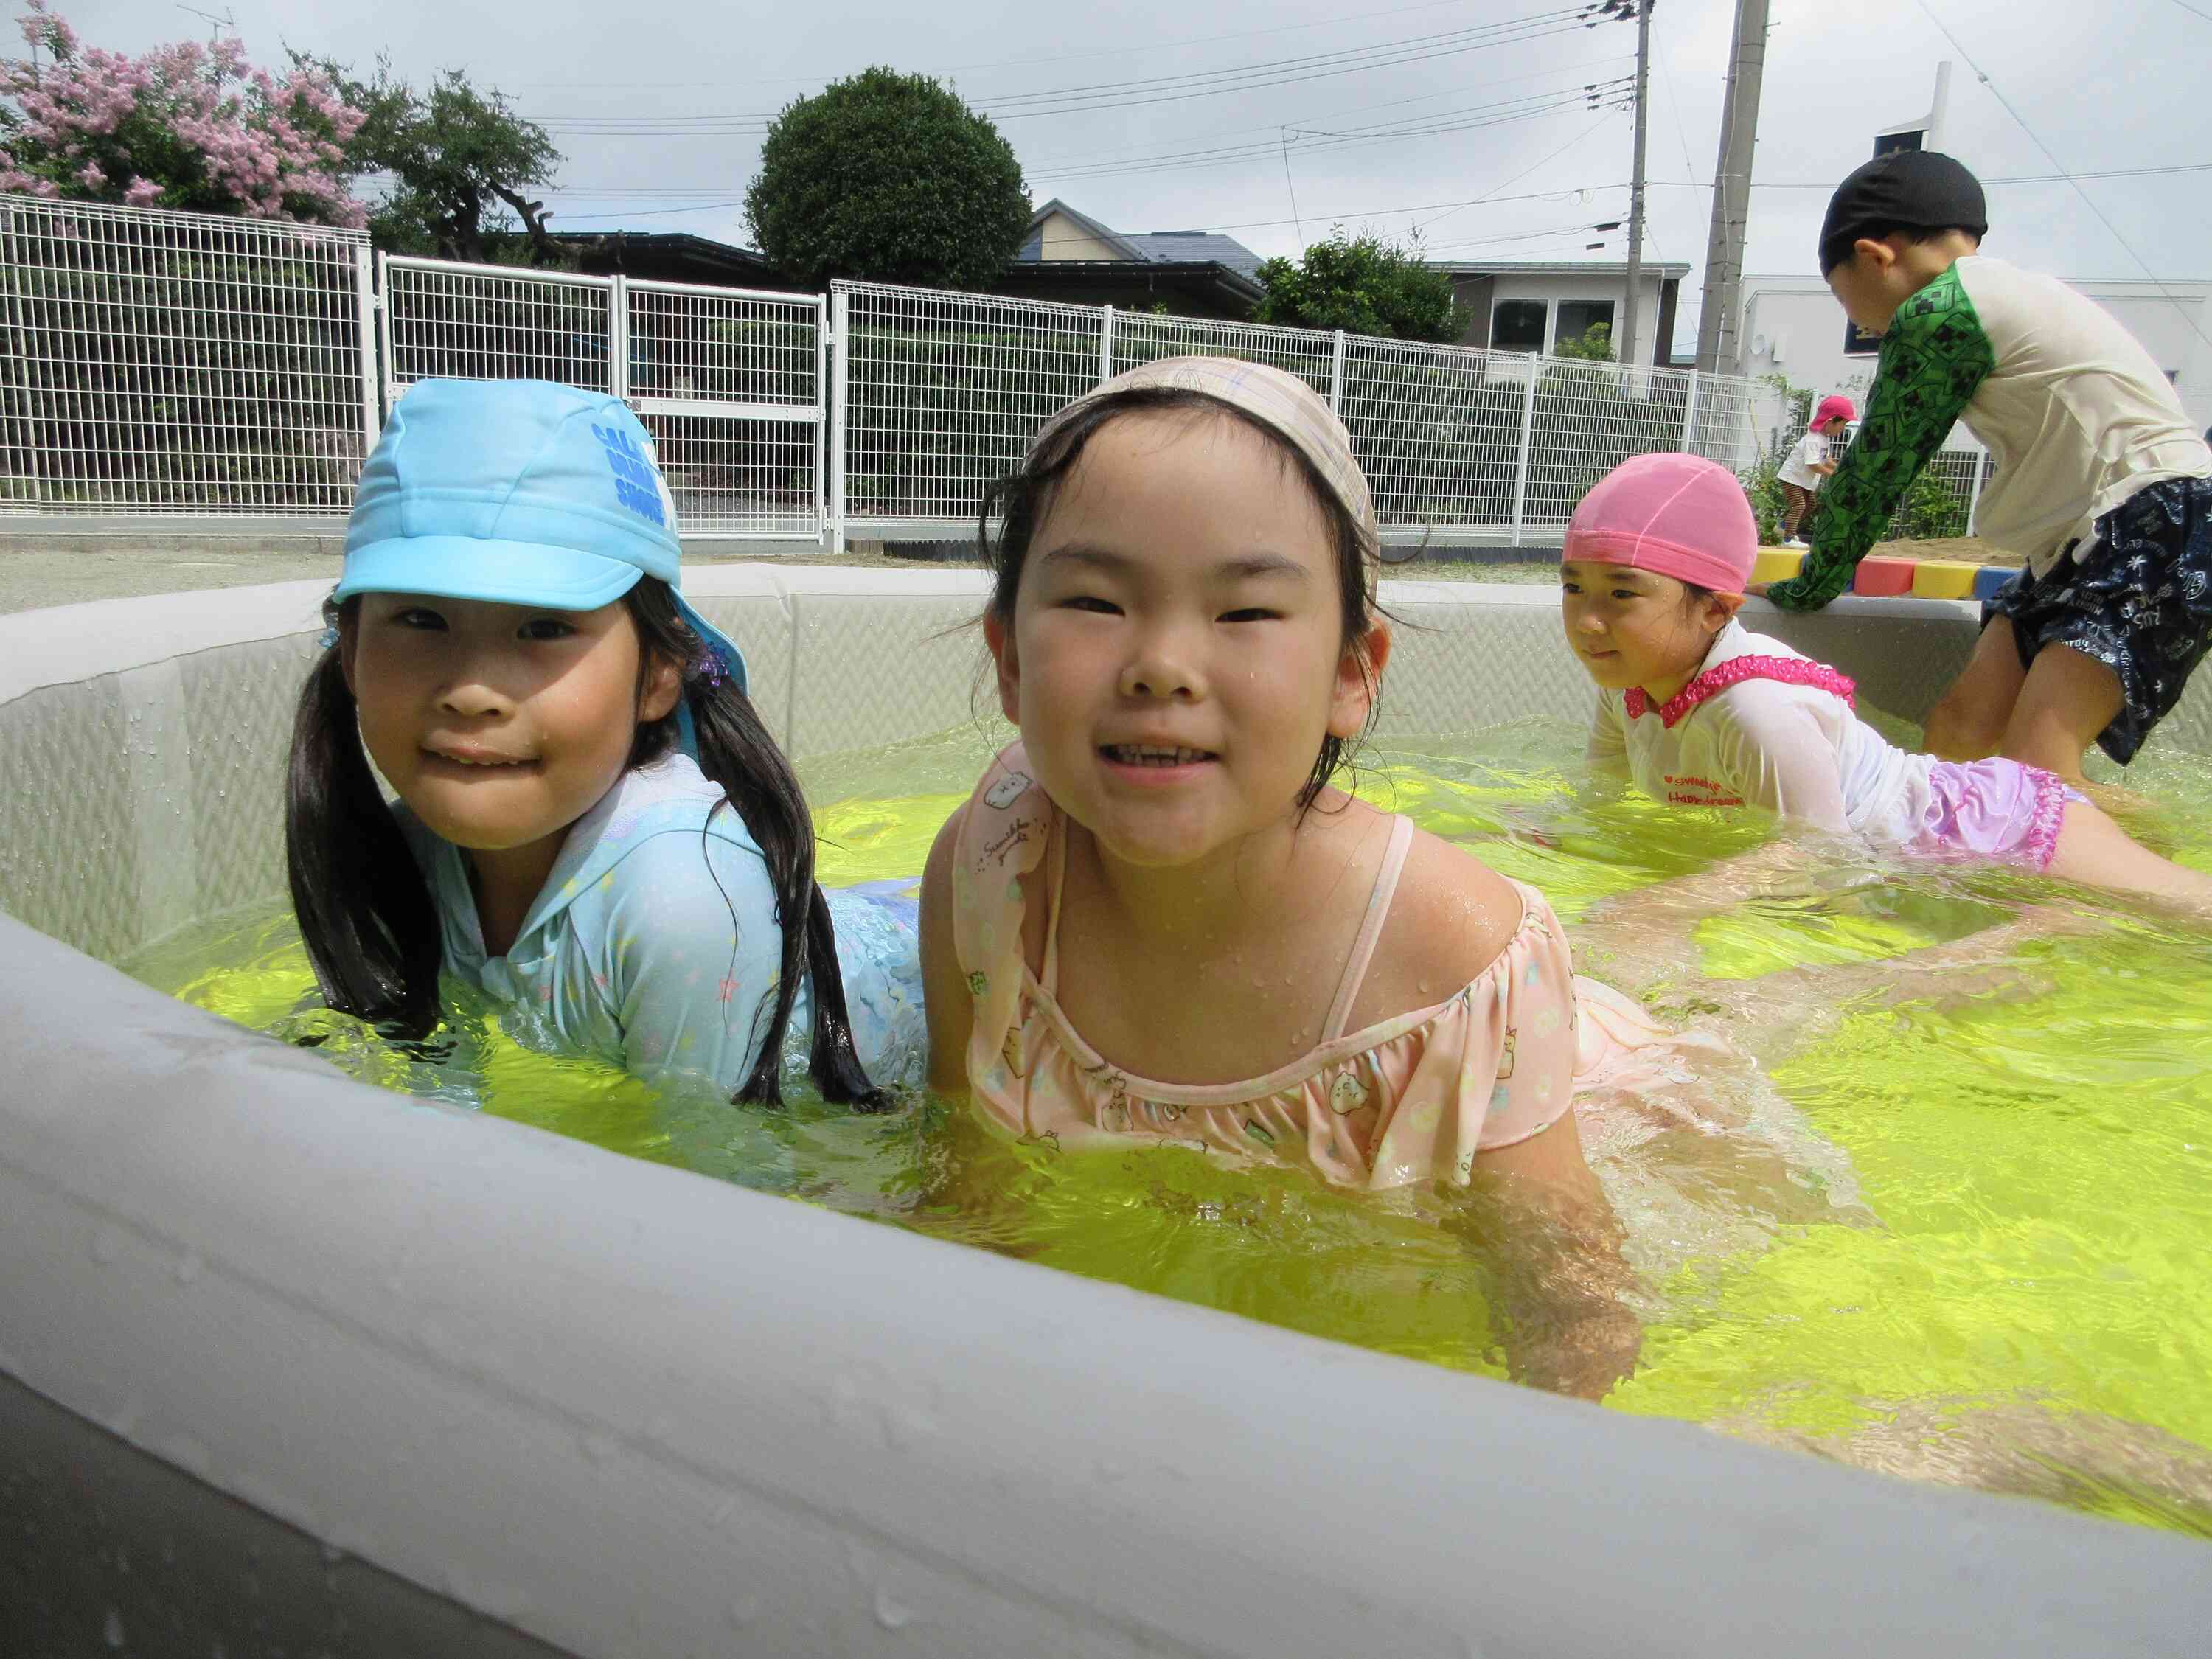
[[1410, 1098]]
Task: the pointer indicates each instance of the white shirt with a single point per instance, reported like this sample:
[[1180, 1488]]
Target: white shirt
[[1740, 737], [2077, 414], [1810, 452]]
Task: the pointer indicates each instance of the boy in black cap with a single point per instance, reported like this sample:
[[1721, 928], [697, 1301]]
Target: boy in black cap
[[2102, 486]]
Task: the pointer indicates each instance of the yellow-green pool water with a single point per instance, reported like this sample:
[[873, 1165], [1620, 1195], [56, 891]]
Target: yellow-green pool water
[[1957, 1222]]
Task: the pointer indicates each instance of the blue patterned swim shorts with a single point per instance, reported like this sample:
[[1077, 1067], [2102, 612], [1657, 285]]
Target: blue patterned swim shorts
[[2139, 601]]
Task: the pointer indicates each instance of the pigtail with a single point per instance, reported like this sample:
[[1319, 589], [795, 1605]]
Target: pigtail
[[736, 750], [364, 912]]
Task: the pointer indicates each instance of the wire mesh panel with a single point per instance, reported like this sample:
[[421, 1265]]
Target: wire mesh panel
[[728, 382], [1438, 429], [492, 323], [179, 363], [1144, 336], [1586, 418], [945, 390]]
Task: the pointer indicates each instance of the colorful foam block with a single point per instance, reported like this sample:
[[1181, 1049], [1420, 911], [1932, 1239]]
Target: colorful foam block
[[1944, 578], [1992, 577], [1883, 578], [1777, 564]]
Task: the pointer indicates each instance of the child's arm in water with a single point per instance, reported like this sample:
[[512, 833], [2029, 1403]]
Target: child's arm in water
[[945, 994], [1537, 1216], [1532, 1210]]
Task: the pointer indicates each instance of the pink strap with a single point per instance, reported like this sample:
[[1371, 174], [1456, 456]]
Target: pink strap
[[1792, 670], [1378, 911]]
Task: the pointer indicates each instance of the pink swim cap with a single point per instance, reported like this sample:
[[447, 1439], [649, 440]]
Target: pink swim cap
[[1675, 515], [1835, 407]]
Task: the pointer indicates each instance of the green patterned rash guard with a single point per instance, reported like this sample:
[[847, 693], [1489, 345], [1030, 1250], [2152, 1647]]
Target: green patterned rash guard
[[1933, 360]]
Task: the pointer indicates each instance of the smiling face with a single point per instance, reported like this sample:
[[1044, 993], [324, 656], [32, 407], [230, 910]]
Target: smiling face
[[1633, 627], [500, 725], [1177, 653]]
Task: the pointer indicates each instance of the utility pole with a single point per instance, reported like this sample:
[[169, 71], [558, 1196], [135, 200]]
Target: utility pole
[[1624, 338], [1627, 352], [1718, 314]]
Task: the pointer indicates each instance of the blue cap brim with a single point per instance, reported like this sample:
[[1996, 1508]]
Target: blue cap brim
[[497, 573]]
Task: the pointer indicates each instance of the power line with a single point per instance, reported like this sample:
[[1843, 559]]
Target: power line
[[2126, 246], [998, 63], [1491, 116], [1123, 94]]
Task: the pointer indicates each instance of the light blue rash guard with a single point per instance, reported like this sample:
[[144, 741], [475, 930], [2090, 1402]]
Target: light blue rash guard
[[653, 944]]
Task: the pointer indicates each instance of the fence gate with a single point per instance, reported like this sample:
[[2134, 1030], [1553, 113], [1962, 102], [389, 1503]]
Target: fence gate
[[728, 380]]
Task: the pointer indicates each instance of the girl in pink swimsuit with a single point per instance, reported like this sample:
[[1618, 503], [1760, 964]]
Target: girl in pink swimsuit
[[1156, 918]]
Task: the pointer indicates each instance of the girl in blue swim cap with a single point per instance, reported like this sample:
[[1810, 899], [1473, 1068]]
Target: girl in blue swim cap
[[594, 827]]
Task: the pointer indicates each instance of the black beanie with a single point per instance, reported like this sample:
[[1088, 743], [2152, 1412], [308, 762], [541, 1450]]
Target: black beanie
[[1905, 190]]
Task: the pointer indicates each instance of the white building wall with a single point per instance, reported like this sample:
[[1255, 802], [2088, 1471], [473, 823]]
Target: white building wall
[[1551, 290]]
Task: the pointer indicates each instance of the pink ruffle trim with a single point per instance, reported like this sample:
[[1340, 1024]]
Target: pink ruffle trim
[[2040, 845], [1790, 670]]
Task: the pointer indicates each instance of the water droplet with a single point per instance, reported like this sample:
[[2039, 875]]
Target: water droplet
[[114, 1630], [891, 1613]]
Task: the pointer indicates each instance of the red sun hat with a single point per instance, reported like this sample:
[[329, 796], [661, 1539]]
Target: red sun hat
[[1834, 407]]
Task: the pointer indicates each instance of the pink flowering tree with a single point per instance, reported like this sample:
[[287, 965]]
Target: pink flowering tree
[[185, 125]]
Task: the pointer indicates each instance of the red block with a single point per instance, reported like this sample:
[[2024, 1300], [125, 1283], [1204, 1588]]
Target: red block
[[1884, 579]]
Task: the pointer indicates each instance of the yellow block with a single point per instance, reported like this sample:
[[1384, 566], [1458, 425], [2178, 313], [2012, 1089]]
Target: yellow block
[[1777, 564], [1944, 578]]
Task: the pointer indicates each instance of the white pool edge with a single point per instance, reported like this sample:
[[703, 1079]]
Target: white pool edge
[[632, 1411]]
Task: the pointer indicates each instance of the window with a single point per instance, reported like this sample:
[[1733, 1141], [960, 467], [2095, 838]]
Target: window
[[1518, 325], [1578, 317]]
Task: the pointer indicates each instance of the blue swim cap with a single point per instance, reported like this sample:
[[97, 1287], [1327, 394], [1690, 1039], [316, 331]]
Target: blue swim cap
[[516, 492]]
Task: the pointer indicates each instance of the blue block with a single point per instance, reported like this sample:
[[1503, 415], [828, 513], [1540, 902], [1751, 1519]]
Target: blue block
[[1990, 577]]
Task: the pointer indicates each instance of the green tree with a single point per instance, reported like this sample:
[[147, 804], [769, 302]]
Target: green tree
[[460, 166], [1595, 347], [889, 178], [1363, 285]]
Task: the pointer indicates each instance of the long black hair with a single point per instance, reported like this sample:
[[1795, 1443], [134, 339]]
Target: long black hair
[[371, 926], [1018, 503]]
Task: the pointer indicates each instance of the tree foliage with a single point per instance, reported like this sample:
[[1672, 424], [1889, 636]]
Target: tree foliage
[[1596, 345], [186, 125], [1363, 285], [891, 177], [458, 166]]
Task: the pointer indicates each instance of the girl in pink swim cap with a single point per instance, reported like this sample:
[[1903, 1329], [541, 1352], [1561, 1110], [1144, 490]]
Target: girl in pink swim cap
[[1698, 711]]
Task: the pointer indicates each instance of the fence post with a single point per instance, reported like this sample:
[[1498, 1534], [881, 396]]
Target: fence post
[[1336, 377], [26, 423], [1974, 493], [840, 398], [821, 418], [1528, 431], [1105, 345], [388, 370], [372, 421], [1690, 416], [618, 338]]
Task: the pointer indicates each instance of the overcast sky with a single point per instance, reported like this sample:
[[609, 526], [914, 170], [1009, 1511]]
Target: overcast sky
[[1260, 118]]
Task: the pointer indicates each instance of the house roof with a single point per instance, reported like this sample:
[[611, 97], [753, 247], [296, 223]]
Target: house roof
[[1555, 268], [1147, 247]]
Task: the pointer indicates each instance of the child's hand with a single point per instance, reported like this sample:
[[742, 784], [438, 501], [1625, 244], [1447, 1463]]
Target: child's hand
[[1757, 590]]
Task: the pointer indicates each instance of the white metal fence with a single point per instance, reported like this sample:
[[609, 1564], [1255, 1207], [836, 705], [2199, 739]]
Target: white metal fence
[[171, 366], [180, 363], [939, 394], [729, 381]]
